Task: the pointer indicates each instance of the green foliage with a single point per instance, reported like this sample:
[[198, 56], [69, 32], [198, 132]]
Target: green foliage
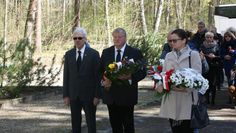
[[150, 45], [19, 69], [124, 14]]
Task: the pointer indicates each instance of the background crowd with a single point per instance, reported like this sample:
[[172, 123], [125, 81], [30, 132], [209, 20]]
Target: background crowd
[[85, 80], [217, 53]]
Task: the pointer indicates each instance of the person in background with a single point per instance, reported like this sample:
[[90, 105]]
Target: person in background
[[121, 98], [232, 30], [218, 38], [81, 82], [227, 48], [191, 44], [166, 48], [177, 106], [199, 37], [211, 51], [228, 55]]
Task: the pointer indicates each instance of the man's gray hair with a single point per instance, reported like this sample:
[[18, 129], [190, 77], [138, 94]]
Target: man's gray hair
[[80, 30], [119, 30], [209, 34]]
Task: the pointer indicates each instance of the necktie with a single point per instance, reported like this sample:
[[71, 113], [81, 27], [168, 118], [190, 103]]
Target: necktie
[[78, 60], [118, 56]]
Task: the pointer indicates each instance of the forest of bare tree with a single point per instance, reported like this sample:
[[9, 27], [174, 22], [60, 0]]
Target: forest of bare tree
[[35, 32], [46, 22]]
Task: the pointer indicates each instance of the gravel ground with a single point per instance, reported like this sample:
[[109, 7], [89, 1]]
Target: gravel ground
[[50, 115]]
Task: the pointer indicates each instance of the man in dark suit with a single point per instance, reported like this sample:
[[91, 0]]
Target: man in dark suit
[[81, 83], [121, 98], [199, 36]]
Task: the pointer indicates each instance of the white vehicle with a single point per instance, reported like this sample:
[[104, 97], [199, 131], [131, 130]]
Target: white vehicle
[[225, 18]]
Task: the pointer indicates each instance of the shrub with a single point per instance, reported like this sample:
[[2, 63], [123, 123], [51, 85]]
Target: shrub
[[150, 45], [18, 69]]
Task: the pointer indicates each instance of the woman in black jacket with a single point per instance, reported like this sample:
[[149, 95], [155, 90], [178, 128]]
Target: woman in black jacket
[[211, 51]]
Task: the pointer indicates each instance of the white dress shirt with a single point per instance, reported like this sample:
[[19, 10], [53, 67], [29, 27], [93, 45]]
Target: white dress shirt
[[82, 52], [122, 50]]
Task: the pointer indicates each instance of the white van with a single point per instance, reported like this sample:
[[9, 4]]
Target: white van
[[225, 17]]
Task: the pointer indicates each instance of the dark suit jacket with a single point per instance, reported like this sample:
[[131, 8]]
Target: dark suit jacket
[[122, 94], [166, 49], [85, 83]]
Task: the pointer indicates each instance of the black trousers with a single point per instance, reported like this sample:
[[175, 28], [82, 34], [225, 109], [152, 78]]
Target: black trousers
[[121, 118], [180, 126], [76, 117]]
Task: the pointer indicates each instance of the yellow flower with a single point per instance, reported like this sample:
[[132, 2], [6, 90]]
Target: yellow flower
[[112, 66]]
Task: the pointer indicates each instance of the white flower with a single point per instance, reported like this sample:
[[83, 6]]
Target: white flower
[[119, 65], [131, 60], [161, 62], [189, 78]]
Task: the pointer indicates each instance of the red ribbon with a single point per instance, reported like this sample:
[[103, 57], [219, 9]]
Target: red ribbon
[[166, 79]]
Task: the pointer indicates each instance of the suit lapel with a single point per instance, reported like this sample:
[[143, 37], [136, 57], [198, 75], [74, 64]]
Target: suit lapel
[[85, 56], [112, 55], [73, 56], [126, 52], [111, 58]]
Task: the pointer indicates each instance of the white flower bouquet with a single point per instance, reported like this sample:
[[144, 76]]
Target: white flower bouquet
[[185, 78], [189, 78]]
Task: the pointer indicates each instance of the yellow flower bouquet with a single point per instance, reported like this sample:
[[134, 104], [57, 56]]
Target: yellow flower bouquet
[[124, 67]]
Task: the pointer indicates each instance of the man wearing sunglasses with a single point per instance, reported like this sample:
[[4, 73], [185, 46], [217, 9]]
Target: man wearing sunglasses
[[81, 84]]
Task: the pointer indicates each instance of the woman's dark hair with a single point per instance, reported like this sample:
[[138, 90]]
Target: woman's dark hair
[[230, 34], [189, 34], [181, 33]]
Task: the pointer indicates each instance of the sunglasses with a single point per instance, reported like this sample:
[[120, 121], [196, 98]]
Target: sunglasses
[[209, 37], [77, 38], [173, 40]]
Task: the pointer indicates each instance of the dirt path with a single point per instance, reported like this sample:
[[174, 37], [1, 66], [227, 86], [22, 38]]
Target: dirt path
[[49, 115]]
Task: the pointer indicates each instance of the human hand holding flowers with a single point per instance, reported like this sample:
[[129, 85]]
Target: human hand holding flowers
[[181, 80], [106, 83], [159, 88], [179, 89], [120, 72], [154, 72], [125, 76]]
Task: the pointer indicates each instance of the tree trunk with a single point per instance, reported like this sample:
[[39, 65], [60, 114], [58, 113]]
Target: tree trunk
[[63, 16], [77, 14], [29, 25], [48, 16], [143, 20], [155, 8], [191, 8], [94, 3], [178, 13], [210, 13], [218, 2], [17, 15], [5, 23], [184, 16], [123, 11], [107, 22], [38, 27], [199, 9], [168, 7], [158, 17], [5, 39]]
